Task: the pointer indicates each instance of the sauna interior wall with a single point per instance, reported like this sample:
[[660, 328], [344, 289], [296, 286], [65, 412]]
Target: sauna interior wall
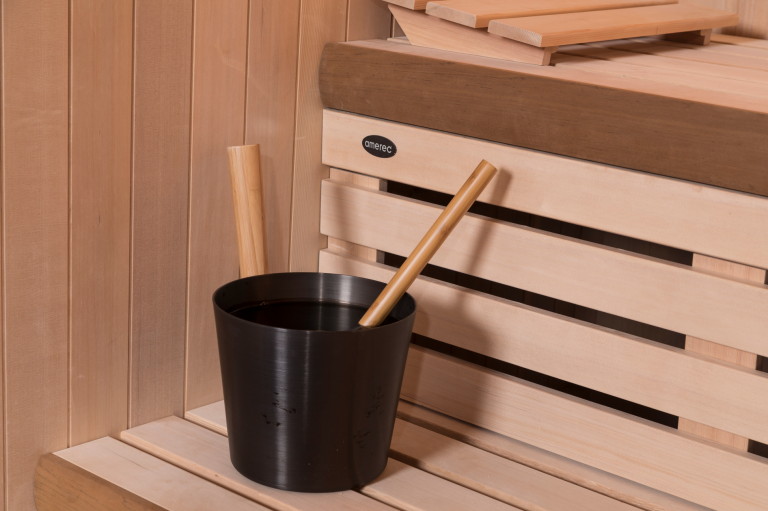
[[117, 220]]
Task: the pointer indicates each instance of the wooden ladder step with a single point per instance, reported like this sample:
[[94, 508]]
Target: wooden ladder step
[[478, 13], [584, 27]]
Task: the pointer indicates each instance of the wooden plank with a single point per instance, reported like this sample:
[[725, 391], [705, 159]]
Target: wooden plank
[[432, 32], [666, 129], [101, 78], [688, 67], [161, 109], [697, 37], [404, 487], [34, 160], [728, 49], [740, 41], [651, 374], [479, 469], [322, 21], [718, 351], [273, 49], [218, 115], [707, 220], [580, 59], [415, 5], [368, 19], [206, 454], [574, 28], [676, 52], [477, 14], [346, 247], [662, 458], [669, 295], [489, 474], [109, 475], [599, 481], [753, 15]]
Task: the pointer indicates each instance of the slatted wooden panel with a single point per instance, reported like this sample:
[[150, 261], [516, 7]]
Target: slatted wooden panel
[[659, 457], [706, 219], [35, 219], [753, 15], [651, 374], [641, 288], [161, 106]]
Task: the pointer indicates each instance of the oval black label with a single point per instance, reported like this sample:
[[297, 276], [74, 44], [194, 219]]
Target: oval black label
[[379, 146]]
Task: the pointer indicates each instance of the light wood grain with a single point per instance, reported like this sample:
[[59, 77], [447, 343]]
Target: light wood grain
[[429, 245], [720, 352], [431, 32], [206, 454], [114, 476], [273, 48], [599, 481], [574, 28], [753, 15], [694, 37], [323, 21], [689, 68], [101, 77], [415, 5], [35, 218], [408, 488], [161, 109], [740, 41], [677, 52], [728, 49], [480, 468], [346, 247], [662, 458], [477, 14], [660, 293], [247, 195], [492, 475], [580, 59], [708, 220], [368, 19], [652, 374], [664, 127], [218, 113]]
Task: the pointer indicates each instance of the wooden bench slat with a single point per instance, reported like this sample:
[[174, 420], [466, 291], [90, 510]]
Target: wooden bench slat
[[661, 377], [718, 308], [665, 459], [547, 462], [478, 13], [109, 475], [740, 41], [701, 219], [468, 466], [728, 49], [206, 454], [582, 27]]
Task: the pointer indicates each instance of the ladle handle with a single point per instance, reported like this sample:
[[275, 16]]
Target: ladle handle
[[427, 247], [245, 172]]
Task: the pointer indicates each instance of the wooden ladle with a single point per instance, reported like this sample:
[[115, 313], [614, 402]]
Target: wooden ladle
[[427, 247]]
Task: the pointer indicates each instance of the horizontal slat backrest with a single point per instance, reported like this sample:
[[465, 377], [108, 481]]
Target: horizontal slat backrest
[[702, 219], [720, 309]]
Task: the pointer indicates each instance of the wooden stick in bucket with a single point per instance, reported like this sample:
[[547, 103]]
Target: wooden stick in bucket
[[427, 247], [245, 172]]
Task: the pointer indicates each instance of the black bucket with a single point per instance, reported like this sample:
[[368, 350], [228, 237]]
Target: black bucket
[[310, 410]]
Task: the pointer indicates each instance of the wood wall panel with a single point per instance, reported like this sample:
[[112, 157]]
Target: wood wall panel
[[35, 43], [753, 16], [101, 67], [273, 49], [368, 19], [162, 88], [322, 21], [218, 119]]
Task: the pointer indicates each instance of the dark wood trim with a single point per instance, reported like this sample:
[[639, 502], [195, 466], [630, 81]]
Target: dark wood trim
[[63, 486], [705, 140]]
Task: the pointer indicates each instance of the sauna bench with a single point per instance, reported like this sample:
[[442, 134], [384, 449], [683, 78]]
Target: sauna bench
[[621, 250]]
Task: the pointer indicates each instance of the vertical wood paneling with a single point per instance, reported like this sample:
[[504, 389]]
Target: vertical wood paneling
[[218, 118], [753, 16], [322, 21], [368, 19], [35, 240], [273, 48], [161, 119], [101, 66]]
